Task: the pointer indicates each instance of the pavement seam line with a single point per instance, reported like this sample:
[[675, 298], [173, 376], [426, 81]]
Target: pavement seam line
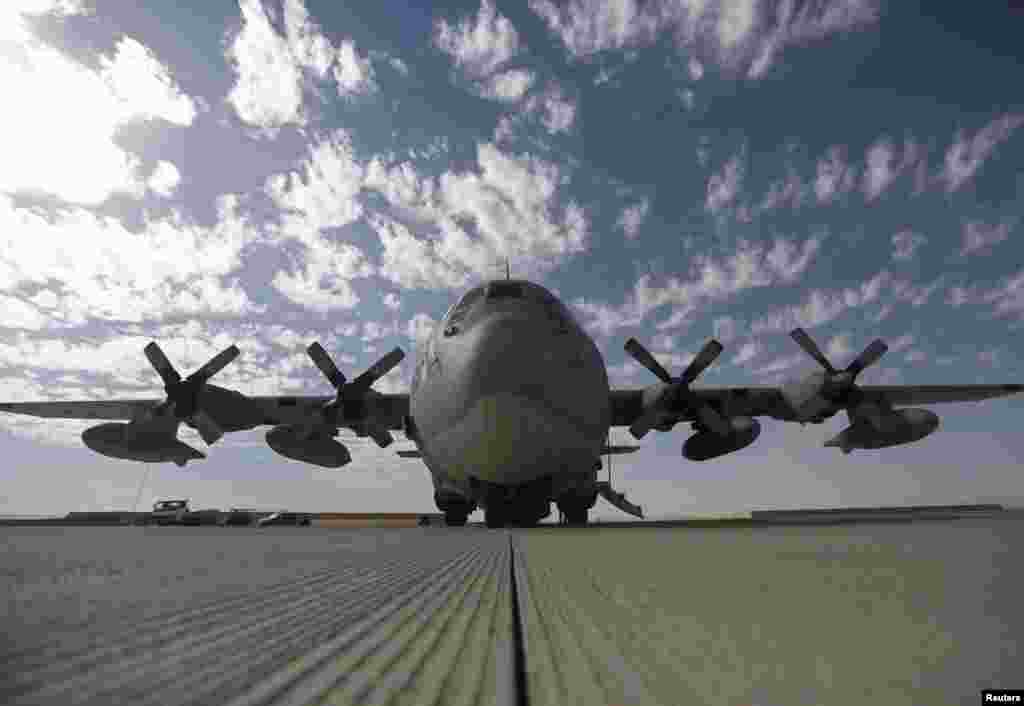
[[518, 646]]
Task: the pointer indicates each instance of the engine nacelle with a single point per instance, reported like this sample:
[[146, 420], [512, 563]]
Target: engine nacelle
[[112, 440], [320, 449], [898, 427], [706, 445]]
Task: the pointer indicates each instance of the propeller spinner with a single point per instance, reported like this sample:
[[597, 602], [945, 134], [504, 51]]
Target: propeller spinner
[[355, 392], [184, 395], [677, 389]]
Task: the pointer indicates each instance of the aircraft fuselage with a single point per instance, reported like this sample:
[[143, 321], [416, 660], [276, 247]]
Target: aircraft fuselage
[[510, 393]]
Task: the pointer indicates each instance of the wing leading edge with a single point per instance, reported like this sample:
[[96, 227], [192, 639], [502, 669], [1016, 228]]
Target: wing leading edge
[[756, 401]]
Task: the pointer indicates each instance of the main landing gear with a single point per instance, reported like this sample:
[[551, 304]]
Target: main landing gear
[[574, 510]]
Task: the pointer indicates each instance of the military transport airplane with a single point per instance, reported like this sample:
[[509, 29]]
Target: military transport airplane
[[509, 408]]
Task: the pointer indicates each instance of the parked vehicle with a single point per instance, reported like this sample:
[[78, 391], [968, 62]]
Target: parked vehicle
[[201, 517], [294, 519], [237, 517], [168, 512]]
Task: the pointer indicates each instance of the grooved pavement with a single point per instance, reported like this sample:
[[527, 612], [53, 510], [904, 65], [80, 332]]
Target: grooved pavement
[[872, 613]]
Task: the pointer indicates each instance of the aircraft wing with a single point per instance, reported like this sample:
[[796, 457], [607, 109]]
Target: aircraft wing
[[754, 401], [388, 410], [83, 409]]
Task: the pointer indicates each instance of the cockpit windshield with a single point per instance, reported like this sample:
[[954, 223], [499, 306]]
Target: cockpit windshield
[[465, 305]]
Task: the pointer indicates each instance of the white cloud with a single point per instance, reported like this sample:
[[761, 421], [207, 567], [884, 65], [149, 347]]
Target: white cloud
[[587, 27], [273, 71], [36, 141], [105, 271], [479, 45], [695, 69], [17, 313], [557, 111], [419, 328], [724, 186], [879, 172], [906, 243], [900, 343], [788, 191], [353, 73], [632, 218], [746, 353], [373, 330], [392, 302], [509, 86], [663, 342], [966, 155], [413, 262], [725, 328], [164, 179], [508, 209], [979, 237], [308, 45], [958, 296], [1008, 296], [322, 283], [838, 347], [834, 176], [780, 365], [752, 265], [738, 33], [917, 295], [604, 319], [268, 92], [322, 193], [820, 307]]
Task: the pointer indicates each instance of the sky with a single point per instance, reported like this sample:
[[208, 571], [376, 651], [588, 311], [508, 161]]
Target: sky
[[271, 174]]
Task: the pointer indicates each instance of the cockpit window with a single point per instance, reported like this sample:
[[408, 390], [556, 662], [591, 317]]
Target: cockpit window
[[505, 290], [465, 305]]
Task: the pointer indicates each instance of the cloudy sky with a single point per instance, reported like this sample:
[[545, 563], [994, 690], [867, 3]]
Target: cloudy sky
[[273, 174]]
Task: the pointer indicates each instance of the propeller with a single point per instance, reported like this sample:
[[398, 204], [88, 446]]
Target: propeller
[[354, 393], [183, 395], [677, 389], [838, 385]]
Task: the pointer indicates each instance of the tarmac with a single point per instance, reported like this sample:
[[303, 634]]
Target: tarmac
[[924, 612]]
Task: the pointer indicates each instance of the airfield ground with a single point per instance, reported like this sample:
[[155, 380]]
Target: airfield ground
[[916, 612]]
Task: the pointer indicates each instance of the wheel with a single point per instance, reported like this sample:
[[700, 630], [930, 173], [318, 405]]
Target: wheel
[[574, 511], [455, 518], [576, 516], [494, 517]]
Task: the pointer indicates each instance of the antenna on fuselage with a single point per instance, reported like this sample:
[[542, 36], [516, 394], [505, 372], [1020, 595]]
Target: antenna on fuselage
[[508, 270]]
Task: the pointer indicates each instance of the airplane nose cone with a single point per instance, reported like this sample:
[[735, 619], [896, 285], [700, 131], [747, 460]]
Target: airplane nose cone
[[531, 400]]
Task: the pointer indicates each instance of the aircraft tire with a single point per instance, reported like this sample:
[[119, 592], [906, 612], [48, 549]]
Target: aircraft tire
[[455, 518], [494, 517]]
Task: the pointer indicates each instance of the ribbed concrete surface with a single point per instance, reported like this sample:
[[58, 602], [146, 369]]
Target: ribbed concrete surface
[[922, 613], [417, 617]]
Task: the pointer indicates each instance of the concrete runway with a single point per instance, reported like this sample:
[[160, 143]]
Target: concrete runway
[[923, 612]]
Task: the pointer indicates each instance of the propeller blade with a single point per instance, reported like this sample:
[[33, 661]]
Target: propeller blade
[[644, 357], [811, 348], [215, 364], [378, 370], [208, 429], [326, 364], [643, 424], [162, 366], [711, 350], [869, 357]]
